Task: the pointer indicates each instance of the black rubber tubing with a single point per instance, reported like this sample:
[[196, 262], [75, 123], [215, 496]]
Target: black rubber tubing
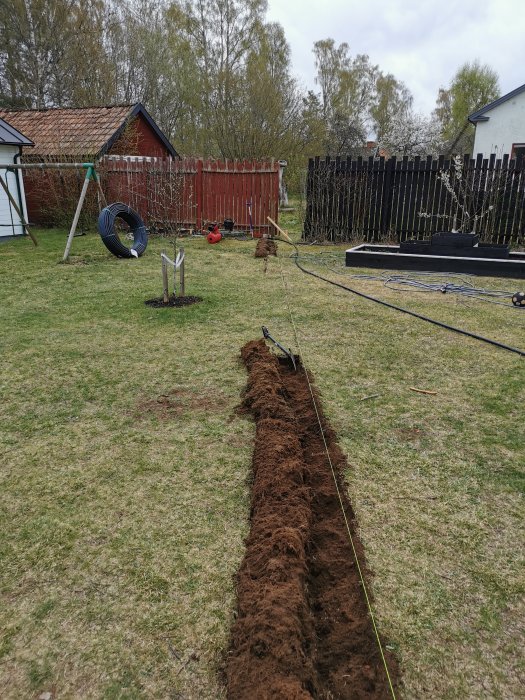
[[106, 228], [509, 348]]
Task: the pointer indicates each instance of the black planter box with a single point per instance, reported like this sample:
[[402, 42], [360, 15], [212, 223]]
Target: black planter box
[[413, 246], [489, 261], [448, 239], [465, 245]]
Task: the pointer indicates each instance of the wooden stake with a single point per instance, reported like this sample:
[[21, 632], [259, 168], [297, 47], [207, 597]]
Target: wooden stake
[[182, 281], [17, 209], [422, 391], [175, 268], [77, 216], [279, 229], [165, 281]]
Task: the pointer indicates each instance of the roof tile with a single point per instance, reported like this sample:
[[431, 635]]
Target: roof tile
[[78, 132]]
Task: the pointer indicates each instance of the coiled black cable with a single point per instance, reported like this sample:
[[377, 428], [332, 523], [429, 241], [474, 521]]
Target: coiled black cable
[[110, 238]]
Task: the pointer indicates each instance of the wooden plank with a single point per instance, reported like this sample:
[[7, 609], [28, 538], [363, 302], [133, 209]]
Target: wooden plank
[[182, 274], [199, 195], [165, 291], [341, 219], [416, 197], [380, 175], [76, 218], [520, 208], [510, 201], [412, 196], [386, 205], [424, 222], [403, 195], [347, 198], [308, 219]]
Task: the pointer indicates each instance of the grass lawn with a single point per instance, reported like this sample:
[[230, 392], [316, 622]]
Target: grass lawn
[[123, 479]]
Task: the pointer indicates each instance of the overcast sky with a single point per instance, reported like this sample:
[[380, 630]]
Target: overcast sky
[[422, 42]]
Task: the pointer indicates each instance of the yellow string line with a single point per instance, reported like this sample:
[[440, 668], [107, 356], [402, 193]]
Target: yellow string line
[[367, 597]]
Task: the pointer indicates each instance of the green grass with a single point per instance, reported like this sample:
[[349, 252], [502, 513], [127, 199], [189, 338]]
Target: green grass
[[123, 510]]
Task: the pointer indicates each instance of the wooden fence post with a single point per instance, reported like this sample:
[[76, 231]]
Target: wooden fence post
[[386, 203], [198, 195]]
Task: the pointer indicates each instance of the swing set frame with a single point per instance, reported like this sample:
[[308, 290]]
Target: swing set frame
[[91, 175]]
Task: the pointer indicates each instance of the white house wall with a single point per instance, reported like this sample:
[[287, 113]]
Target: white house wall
[[506, 125], [10, 223]]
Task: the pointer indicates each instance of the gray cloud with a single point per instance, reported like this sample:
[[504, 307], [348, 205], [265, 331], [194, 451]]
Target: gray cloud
[[421, 42]]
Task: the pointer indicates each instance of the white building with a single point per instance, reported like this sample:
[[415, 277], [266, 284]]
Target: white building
[[500, 126], [11, 143]]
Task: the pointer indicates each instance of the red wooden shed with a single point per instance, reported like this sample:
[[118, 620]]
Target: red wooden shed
[[78, 135]]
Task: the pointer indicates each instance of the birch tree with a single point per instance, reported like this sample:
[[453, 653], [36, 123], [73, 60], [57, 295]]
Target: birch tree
[[357, 97], [49, 49], [472, 87]]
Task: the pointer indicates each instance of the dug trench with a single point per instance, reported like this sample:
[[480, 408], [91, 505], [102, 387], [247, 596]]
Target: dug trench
[[302, 628]]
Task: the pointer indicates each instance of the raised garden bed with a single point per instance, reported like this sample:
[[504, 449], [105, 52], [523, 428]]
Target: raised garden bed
[[472, 260]]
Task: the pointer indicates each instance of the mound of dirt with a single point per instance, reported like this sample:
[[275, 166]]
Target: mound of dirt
[[265, 247], [302, 629], [158, 302]]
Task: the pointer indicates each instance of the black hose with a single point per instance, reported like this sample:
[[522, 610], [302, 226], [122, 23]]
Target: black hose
[[106, 228], [405, 311]]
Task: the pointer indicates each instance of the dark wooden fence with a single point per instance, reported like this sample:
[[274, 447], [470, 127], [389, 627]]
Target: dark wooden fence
[[378, 200]]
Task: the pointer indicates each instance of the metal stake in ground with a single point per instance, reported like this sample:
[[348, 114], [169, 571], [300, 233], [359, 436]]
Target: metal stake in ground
[[288, 353]]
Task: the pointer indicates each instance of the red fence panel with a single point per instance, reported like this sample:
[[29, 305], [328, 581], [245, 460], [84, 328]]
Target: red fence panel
[[167, 193], [191, 192], [230, 188]]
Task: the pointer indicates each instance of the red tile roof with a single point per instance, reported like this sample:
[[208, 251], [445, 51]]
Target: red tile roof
[[79, 132]]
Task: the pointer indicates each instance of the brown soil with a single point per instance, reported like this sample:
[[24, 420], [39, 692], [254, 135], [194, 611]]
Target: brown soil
[[159, 303], [410, 434], [265, 247], [177, 401], [302, 628]]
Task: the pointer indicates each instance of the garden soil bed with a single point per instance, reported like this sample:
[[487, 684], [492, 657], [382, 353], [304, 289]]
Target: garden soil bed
[[159, 303], [302, 628]]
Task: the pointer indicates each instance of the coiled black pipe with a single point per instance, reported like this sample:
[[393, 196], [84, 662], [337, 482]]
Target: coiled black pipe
[[106, 228], [496, 343]]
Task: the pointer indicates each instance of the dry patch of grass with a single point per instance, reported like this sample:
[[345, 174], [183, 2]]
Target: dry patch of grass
[[123, 483]]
